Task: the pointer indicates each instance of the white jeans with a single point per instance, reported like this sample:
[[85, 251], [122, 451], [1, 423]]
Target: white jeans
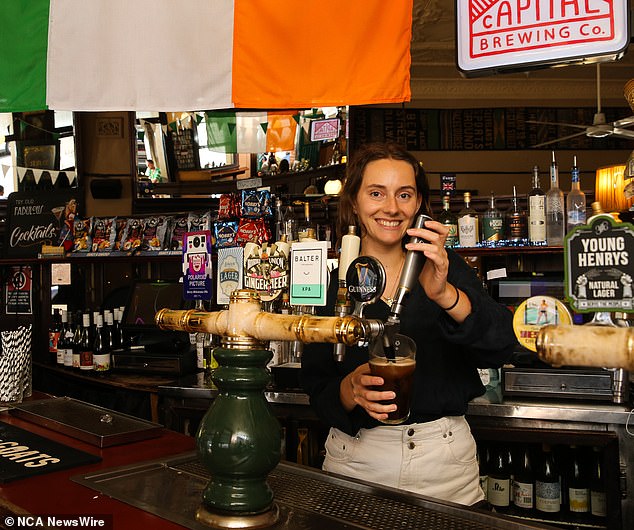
[[436, 459]]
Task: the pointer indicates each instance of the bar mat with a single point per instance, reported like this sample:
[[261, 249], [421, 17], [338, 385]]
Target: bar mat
[[24, 454]]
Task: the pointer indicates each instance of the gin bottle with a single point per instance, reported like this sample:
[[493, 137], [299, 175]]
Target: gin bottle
[[554, 209], [536, 212], [492, 224], [575, 201], [451, 221], [468, 224]]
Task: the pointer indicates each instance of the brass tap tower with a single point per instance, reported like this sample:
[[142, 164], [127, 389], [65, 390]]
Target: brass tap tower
[[239, 437]]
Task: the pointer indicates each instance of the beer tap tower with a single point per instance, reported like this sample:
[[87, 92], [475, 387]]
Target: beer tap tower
[[239, 438]]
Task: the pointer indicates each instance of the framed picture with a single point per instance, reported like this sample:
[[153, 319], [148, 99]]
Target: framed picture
[[109, 127], [40, 156]]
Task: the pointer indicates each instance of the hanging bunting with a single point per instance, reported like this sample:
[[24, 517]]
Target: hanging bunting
[[54, 176], [21, 172], [5, 168], [221, 132], [280, 135], [37, 174], [251, 132]]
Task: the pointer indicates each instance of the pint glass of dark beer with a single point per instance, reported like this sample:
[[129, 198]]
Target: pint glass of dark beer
[[397, 371]]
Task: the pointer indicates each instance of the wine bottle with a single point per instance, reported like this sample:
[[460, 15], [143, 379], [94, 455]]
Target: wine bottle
[[555, 225], [548, 484], [77, 336], [575, 200], [53, 336], [117, 341], [70, 341], [524, 481], [101, 349], [492, 224], [308, 229], [578, 484], [85, 345], [447, 218], [468, 224], [536, 212], [598, 505], [280, 223], [499, 481], [61, 341], [518, 229]]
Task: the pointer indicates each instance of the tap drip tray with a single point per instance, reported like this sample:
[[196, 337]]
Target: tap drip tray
[[306, 499]]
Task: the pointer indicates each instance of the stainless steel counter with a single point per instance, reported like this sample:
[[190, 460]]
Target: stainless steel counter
[[491, 404]]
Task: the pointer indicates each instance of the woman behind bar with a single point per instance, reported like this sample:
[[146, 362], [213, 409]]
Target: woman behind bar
[[457, 328]]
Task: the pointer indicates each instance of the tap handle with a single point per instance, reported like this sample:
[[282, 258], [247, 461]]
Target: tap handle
[[411, 271]]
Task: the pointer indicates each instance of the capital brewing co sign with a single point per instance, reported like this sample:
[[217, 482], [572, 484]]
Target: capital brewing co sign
[[513, 35]]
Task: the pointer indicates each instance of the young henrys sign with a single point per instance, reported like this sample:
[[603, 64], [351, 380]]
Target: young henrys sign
[[598, 266], [498, 35]]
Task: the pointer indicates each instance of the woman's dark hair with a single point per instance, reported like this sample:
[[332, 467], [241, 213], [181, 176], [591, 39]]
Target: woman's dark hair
[[354, 177]]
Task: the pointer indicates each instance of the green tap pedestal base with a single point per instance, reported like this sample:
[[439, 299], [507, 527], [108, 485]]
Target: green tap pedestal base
[[239, 437]]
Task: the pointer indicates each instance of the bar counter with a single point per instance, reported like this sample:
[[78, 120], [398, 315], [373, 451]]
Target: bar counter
[[493, 418], [154, 484]]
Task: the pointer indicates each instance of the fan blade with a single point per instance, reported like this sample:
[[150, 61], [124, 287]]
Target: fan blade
[[573, 125], [625, 122], [559, 139], [623, 133]]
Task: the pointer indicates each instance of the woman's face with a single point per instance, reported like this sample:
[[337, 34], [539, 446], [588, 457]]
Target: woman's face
[[387, 201]]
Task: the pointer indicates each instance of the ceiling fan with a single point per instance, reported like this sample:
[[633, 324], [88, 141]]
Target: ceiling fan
[[599, 128]]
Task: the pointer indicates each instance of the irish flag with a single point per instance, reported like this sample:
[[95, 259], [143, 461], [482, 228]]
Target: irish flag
[[172, 55]]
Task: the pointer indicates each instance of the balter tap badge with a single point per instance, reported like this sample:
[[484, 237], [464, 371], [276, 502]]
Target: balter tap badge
[[266, 268]]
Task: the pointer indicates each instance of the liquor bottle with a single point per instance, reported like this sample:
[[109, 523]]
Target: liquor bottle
[[53, 336], [290, 222], [61, 341], [555, 225], [85, 345], [451, 221], [483, 467], [308, 229], [468, 224], [117, 340], [548, 484], [575, 201], [69, 335], [77, 336], [598, 506], [517, 222], [280, 222], [499, 480], [577, 484], [492, 224], [524, 481], [101, 349], [536, 212], [108, 326]]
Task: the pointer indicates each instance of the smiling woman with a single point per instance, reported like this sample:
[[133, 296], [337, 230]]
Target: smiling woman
[[456, 327]]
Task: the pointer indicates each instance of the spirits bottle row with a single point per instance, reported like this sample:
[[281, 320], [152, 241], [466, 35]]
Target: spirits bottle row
[[560, 482], [83, 341], [548, 219]]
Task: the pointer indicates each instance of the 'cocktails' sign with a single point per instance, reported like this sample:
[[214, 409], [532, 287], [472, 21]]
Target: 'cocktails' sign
[[598, 266], [497, 35]]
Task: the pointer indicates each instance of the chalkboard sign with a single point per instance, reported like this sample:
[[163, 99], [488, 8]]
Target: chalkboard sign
[[184, 146], [598, 266], [40, 218]]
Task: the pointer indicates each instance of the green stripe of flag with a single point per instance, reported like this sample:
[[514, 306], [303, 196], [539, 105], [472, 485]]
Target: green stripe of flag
[[23, 45]]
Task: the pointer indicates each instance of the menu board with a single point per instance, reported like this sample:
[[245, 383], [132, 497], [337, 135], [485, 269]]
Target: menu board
[[184, 148], [40, 218]]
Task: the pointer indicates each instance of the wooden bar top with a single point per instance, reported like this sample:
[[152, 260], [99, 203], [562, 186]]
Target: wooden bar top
[[55, 494]]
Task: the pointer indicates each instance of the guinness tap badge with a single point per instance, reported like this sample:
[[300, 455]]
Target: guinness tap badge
[[365, 280]]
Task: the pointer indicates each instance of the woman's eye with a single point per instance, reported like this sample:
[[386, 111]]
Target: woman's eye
[[375, 194], [405, 195]]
